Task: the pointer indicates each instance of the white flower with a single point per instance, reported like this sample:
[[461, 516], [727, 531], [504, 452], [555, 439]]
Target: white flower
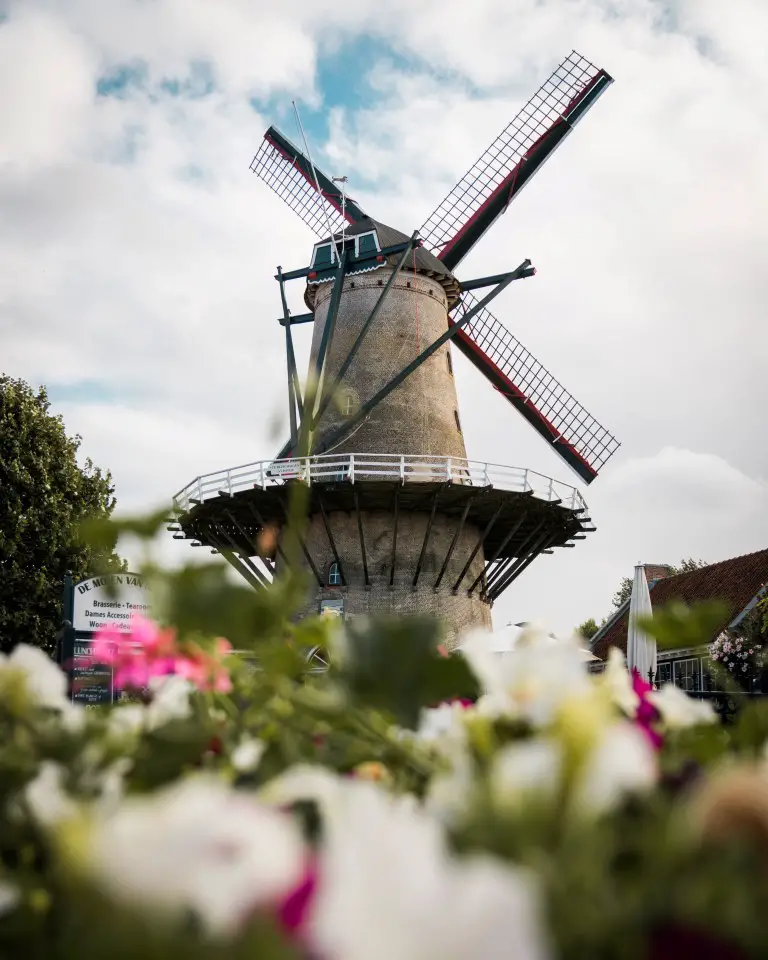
[[303, 781], [618, 682], [170, 700], [201, 846], [45, 681], [442, 724], [678, 710], [532, 680], [525, 767], [126, 719], [622, 762], [390, 888], [45, 796], [9, 897], [247, 754], [451, 792]]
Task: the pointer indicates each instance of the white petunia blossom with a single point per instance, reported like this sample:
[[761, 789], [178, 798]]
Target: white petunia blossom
[[198, 845], [389, 888], [45, 796], [621, 763], [678, 710], [9, 897], [247, 754], [45, 681], [617, 680], [531, 681], [170, 700], [444, 723], [525, 767]]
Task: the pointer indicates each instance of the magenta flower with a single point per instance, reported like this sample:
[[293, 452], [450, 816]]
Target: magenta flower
[[646, 714], [294, 909], [149, 651]]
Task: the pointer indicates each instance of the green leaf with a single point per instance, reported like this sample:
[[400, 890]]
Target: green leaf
[[394, 665], [676, 625]]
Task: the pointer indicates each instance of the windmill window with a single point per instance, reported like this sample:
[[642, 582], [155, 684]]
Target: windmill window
[[347, 405], [450, 362], [456, 418], [334, 575], [323, 256], [367, 243]]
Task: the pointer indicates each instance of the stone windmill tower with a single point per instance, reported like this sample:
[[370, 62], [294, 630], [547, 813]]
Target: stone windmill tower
[[399, 519]]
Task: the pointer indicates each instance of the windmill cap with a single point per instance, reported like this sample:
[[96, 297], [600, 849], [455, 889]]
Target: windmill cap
[[426, 263]]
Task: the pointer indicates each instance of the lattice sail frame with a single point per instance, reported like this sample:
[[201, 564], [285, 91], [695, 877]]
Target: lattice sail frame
[[285, 170], [500, 165], [560, 417]]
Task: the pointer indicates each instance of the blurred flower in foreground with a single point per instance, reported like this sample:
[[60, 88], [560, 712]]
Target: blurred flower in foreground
[[30, 674], [198, 845], [148, 651], [733, 803], [531, 681], [678, 710], [389, 887]]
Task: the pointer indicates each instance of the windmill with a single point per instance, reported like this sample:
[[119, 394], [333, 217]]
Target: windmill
[[399, 518]]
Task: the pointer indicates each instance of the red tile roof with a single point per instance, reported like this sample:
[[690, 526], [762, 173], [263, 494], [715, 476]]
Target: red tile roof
[[735, 582]]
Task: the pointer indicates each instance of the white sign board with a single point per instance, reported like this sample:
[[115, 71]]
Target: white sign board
[[95, 608], [290, 469]]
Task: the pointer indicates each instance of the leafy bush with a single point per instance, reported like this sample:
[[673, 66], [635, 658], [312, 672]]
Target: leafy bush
[[403, 804]]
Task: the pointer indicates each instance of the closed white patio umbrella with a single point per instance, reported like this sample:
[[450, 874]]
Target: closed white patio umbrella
[[641, 649]]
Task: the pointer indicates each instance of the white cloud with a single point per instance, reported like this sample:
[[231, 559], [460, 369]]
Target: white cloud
[[135, 246]]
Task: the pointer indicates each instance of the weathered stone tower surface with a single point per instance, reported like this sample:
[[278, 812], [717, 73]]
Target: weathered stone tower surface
[[398, 518], [422, 415], [419, 422]]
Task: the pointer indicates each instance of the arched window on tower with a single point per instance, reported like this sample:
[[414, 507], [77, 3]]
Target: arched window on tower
[[334, 575], [450, 362]]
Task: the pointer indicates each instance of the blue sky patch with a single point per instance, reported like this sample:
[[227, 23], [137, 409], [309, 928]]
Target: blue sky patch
[[126, 78], [120, 81], [84, 391]]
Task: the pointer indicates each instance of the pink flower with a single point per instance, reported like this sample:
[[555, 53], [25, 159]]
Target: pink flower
[[148, 651], [294, 909], [646, 714]]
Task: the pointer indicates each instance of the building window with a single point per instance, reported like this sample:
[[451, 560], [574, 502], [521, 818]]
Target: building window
[[687, 674], [367, 243], [334, 575], [348, 404], [323, 256], [450, 362], [456, 418], [664, 673]]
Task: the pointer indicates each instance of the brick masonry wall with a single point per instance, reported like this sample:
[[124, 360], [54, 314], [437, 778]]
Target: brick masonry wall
[[419, 417], [457, 611], [656, 571]]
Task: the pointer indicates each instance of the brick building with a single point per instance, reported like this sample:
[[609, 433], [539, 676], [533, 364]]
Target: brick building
[[738, 583]]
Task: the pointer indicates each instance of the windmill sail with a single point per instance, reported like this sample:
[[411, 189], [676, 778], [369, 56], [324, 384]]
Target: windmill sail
[[288, 172], [486, 189], [575, 434]]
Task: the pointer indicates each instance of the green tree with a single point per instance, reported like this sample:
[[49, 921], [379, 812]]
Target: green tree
[[624, 592], [588, 629], [44, 498]]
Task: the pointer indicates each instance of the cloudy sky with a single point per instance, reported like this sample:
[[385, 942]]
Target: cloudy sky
[[137, 250]]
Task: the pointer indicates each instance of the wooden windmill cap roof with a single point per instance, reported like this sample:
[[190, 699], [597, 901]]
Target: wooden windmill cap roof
[[426, 263]]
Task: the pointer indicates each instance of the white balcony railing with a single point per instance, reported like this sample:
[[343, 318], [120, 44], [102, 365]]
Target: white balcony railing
[[352, 467]]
